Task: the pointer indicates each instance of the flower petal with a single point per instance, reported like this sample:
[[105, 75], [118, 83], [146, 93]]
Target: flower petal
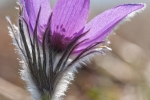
[[31, 10], [69, 16], [102, 25]]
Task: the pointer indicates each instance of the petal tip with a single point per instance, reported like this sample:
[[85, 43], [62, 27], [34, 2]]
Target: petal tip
[[140, 5], [143, 5]]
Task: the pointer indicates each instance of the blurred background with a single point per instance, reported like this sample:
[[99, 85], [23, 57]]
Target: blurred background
[[122, 74]]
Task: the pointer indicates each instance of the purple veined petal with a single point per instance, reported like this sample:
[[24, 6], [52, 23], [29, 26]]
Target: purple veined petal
[[69, 16], [25, 14], [102, 25], [31, 9]]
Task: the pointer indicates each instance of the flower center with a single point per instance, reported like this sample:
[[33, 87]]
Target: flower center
[[59, 41]]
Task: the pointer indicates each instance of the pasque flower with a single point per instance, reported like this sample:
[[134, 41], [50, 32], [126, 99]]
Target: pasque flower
[[53, 42]]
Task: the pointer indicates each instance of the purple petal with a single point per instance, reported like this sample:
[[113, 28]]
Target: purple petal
[[102, 25], [31, 9], [25, 14], [69, 16]]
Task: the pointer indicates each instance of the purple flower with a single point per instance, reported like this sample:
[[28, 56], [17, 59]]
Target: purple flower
[[69, 18], [46, 40]]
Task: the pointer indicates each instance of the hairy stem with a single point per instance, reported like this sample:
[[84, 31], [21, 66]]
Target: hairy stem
[[46, 96]]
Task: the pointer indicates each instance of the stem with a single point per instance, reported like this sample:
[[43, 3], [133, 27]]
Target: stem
[[46, 96]]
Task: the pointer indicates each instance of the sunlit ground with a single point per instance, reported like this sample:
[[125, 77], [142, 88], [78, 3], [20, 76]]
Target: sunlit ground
[[122, 74]]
